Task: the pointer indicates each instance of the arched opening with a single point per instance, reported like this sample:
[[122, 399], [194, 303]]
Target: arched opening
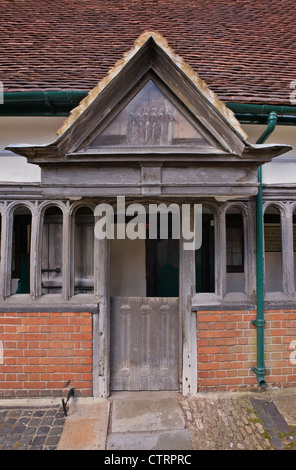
[[84, 251], [273, 250], [235, 251], [52, 251], [205, 255], [21, 248]]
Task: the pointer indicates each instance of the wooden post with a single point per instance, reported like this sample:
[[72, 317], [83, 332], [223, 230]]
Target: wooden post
[[287, 252], [101, 321], [221, 255], [250, 250], [188, 320], [35, 256], [66, 267], [6, 253]]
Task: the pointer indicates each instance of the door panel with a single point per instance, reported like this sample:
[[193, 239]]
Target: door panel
[[144, 343]]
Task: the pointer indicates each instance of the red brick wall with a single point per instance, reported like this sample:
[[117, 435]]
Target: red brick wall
[[43, 351], [226, 342]]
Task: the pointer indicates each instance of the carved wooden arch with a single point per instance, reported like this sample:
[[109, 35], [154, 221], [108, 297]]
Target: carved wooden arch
[[11, 207], [280, 206], [75, 206], [44, 205]]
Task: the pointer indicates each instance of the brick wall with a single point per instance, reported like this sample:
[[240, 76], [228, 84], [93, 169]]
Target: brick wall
[[41, 352], [227, 346]]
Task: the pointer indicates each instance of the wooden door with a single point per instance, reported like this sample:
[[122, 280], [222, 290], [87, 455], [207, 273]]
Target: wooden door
[[144, 343]]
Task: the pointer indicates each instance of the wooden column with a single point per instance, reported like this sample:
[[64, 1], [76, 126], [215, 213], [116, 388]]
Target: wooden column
[[188, 320], [221, 255], [250, 250], [287, 251], [101, 321], [6, 253], [35, 255], [67, 238]]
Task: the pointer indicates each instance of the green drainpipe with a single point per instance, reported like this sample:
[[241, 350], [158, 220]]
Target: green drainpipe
[[260, 321]]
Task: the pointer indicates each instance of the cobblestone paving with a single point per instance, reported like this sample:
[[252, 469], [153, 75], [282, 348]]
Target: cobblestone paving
[[228, 423], [31, 428]]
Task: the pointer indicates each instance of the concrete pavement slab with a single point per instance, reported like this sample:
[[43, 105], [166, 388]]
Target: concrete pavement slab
[[141, 411], [86, 426], [178, 439]]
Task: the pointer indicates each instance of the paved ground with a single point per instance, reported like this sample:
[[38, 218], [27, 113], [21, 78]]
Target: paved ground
[[238, 421], [31, 428], [224, 424], [222, 421]]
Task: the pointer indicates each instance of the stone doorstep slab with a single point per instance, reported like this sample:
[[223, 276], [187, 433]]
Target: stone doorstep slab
[[156, 413], [178, 439], [86, 425]]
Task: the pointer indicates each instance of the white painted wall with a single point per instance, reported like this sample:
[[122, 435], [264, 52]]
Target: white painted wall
[[282, 169], [273, 272], [24, 130], [128, 268]]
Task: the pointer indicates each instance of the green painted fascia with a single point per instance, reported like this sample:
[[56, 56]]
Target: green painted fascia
[[41, 103], [258, 113], [61, 102]]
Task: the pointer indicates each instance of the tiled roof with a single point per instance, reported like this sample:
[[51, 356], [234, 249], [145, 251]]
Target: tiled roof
[[244, 50]]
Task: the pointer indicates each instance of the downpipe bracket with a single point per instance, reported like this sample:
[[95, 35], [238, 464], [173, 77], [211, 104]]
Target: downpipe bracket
[[259, 322], [260, 373]]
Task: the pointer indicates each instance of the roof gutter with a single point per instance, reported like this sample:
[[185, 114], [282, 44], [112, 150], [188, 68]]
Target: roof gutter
[[258, 113], [61, 102], [41, 103], [259, 322]]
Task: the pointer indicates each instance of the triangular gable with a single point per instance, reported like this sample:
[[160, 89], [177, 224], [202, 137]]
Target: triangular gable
[[152, 59], [150, 119], [161, 42]]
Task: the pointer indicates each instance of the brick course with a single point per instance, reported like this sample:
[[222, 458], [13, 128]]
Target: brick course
[[43, 351]]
